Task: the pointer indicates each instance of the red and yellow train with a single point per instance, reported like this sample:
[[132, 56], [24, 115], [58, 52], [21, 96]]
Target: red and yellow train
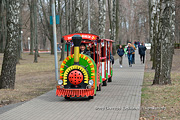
[[82, 75]]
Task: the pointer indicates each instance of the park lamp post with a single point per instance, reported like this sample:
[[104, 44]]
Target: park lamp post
[[29, 43], [21, 41], [110, 33], [55, 40]]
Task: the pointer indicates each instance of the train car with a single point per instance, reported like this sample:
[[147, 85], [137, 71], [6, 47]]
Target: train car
[[107, 67], [82, 75]]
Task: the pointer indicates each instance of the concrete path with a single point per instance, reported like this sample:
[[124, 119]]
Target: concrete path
[[120, 100]]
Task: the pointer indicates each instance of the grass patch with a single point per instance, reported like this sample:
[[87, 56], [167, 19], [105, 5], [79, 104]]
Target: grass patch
[[32, 79], [164, 99]]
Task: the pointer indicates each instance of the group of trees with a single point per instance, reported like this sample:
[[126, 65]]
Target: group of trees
[[120, 20], [162, 35]]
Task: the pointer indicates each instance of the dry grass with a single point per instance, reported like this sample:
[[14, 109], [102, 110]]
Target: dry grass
[[164, 100], [32, 79]]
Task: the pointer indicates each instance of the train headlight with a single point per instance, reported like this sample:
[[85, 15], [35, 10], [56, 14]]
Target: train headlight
[[91, 82], [60, 82]]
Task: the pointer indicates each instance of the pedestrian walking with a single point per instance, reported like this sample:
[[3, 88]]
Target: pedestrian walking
[[135, 43], [142, 51], [125, 51], [130, 50], [138, 43], [133, 54], [120, 52]]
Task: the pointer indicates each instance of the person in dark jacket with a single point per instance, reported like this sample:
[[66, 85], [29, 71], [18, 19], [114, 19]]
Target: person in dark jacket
[[130, 50], [83, 50], [142, 51], [120, 52], [138, 43]]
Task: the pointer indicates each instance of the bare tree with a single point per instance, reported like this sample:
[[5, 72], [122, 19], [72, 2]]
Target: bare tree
[[177, 21], [7, 78], [78, 19], [114, 26], [117, 20], [165, 42], [19, 52], [2, 25], [35, 32], [60, 28], [31, 6], [67, 15], [1, 20], [48, 29], [102, 18], [153, 29]]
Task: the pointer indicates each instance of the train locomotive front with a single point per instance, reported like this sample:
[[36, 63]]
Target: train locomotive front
[[78, 76]]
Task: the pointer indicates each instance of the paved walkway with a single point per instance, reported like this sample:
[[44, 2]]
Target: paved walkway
[[120, 100]]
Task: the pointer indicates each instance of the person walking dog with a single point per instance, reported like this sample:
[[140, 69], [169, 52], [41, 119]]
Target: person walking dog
[[120, 52]]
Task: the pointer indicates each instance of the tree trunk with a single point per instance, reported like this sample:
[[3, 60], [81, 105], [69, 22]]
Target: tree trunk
[[117, 21], [78, 26], [31, 6], [114, 27], [60, 25], [110, 17], [154, 32], [1, 27], [35, 32], [102, 18], [150, 27], [67, 20], [7, 78], [19, 53], [73, 15], [47, 27], [164, 51]]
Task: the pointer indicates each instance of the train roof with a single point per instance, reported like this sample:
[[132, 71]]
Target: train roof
[[109, 40], [85, 36]]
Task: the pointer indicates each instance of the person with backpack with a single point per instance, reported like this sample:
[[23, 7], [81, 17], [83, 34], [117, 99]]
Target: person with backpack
[[133, 54], [130, 50], [120, 52]]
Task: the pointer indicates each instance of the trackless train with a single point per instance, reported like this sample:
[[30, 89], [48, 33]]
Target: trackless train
[[82, 75]]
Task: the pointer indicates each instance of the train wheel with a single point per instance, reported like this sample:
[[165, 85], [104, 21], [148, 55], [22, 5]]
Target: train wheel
[[91, 97], [110, 79], [67, 98], [105, 83]]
